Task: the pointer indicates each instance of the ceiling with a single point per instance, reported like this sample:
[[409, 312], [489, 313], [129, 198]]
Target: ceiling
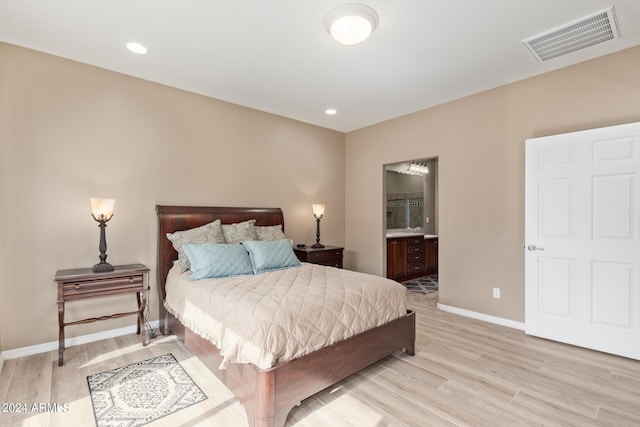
[[276, 56]]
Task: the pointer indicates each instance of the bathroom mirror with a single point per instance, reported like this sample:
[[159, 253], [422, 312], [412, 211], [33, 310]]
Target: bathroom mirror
[[411, 195]]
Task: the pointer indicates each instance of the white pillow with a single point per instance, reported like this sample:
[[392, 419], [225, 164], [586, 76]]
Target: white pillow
[[270, 232], [240, 231], [208, 233]]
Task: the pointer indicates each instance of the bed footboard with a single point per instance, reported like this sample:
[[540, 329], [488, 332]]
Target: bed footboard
[[268, 395]]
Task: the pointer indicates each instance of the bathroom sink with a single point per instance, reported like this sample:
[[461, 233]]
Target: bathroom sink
[[409, 233], [404, 233]]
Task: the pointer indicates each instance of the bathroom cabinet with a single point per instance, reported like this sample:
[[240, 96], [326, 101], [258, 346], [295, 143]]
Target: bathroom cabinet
[[431, 256], [410, 257], [396, 258]]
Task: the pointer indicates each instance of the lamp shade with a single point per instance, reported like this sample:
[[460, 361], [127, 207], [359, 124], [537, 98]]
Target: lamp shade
[[102, 208], [318, 210], [351, 24]]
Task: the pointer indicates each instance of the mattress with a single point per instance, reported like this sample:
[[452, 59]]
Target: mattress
[[276, 316]]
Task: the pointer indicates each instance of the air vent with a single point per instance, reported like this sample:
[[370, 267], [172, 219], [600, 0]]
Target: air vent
[[580, 34]]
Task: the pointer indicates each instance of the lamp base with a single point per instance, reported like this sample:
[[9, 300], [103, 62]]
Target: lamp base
[[102, 267], [317, 246]]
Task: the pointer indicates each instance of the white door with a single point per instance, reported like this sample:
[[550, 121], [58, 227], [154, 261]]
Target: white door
[[582, 254]]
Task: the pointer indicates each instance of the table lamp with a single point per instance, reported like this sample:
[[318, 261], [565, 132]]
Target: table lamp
[[102, 211]]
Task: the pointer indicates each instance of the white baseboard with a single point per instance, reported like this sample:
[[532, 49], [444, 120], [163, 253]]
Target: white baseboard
[[481, 316], [70, 342]]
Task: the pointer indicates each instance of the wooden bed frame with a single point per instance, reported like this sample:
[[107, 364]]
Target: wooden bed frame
[[269, 394]]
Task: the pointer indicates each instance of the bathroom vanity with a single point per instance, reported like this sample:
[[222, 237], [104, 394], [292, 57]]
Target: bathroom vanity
[[411, 255]]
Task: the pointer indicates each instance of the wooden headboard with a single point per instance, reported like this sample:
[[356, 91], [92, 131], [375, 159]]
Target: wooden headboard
[[179, 218]]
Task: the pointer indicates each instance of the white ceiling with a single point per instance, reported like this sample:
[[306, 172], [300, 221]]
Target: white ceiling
[[276, 56]]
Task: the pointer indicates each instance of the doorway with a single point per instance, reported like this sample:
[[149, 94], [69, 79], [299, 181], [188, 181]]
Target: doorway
[[411, 223]]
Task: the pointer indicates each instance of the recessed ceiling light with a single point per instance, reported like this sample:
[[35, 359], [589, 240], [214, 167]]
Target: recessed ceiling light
[[136, 48], [351, 24], [330, 111]]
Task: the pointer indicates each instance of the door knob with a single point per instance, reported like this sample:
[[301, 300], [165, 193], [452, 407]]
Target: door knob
[[534, 248]]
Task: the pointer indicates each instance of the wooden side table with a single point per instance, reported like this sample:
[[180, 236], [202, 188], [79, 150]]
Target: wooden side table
[[83, 283], [329, 255]]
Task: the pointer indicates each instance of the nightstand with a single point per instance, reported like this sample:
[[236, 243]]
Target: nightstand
[[329, 255], [83, 283]]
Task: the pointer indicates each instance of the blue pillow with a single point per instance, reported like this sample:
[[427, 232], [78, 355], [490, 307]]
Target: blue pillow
[[210, 260], [271, 255]]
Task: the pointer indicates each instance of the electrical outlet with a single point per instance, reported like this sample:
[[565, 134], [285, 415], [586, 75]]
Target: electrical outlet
[[426, 220], [496, 293]]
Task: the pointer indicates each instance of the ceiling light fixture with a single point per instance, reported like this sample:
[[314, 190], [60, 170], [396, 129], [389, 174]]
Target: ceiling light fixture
[[331, 111], [351, 24], [136, 48], [415, 167], [418, 168]]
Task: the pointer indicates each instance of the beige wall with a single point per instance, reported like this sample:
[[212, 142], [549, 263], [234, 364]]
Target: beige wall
[[479, 141], [71, 131]]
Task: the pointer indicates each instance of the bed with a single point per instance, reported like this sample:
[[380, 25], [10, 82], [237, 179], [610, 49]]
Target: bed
[[269, 394]]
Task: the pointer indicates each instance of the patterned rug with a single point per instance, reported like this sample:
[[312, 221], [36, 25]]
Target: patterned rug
[[142, 392], [423, 285]]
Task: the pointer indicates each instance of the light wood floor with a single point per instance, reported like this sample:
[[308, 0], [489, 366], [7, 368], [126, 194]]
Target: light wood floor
[[464, 373]]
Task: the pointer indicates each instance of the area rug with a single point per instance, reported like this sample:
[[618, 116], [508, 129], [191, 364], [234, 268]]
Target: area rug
[[142, 392], [423, 285]]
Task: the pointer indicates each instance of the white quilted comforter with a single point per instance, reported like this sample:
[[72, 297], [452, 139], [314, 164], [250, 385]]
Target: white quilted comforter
[[281, 315]]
